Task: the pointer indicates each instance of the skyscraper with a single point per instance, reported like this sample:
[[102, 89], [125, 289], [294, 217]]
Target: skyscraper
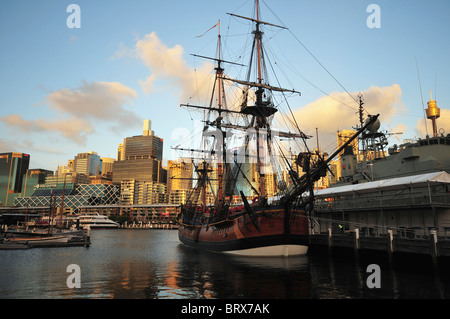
[[179, 180], [107, 165], [13, 167], [343, 136], [32, 178], [179, 175], [88, 163], [120, 153], [143, 146], [147, 128], [142, 157]]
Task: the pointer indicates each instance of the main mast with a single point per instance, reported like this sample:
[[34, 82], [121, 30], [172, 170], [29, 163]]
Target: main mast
[[219, 73], [259, 113], [261, 120], [263, 109]]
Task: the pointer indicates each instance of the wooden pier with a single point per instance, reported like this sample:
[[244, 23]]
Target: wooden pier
[[409, 214], [37, 238], [391, 243], [140, 225]]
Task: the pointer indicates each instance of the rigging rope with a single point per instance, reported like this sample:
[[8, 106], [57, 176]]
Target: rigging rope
[[313, 56]]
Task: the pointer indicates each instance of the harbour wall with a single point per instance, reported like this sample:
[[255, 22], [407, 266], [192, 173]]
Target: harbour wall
[[433, 246]]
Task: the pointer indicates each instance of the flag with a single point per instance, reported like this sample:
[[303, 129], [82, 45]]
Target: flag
[[218, 23]]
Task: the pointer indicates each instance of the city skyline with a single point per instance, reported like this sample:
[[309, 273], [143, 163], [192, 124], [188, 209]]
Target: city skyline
[[73, 90]]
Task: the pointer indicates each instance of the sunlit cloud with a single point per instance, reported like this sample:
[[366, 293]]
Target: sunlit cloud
[[99, 100], [169, 69], [442, 123], [79, 111], [339, 111], [73, 129]]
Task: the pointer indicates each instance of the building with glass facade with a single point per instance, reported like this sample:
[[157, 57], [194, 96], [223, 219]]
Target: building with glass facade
[[13, 167], [142, 147], [88, 163], [140, 158], [71, 196], [33, 178], [145, 170]]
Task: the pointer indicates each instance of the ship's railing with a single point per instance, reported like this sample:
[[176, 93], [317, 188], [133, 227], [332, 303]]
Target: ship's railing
[[339, 227], [382, 200]]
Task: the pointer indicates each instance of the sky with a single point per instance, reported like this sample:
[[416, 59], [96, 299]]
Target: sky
[[67, 90]]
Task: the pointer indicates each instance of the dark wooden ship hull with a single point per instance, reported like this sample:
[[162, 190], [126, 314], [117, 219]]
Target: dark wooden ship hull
[[270, 232]]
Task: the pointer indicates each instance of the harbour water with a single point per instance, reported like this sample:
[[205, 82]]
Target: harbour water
[[152, 264]]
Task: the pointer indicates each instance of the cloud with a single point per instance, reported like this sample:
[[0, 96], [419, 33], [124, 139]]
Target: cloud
[[168, 65], [79, 111], [74, 128], [122, 52], [339, 111], [442, 123], [97, 100], [28, 145]]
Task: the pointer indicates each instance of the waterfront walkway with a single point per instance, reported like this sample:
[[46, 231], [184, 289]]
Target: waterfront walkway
[[141, 225], [404, 241]]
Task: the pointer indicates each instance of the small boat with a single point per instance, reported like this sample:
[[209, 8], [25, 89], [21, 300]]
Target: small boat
[[38, 240], [97, 222], [66, 239], [34, 242]]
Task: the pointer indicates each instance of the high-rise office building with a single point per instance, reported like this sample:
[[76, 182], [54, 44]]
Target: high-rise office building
[[142, 147], [145, 170], [142, 193], [107, 165], [120, 153], [88, 163], [142, 157], [179, 175], [343, 136], [13, 167], [147, 128], [32, 178], [179, 180]]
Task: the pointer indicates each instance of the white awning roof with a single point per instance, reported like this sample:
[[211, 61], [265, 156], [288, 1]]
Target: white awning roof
[[387, 184]]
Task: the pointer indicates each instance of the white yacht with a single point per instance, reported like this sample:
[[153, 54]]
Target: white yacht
[[97, 222]]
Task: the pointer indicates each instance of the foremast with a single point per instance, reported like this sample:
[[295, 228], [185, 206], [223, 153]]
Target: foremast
[[203, 169]]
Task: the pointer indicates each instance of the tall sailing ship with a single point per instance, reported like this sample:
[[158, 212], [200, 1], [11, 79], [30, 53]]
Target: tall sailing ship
[[261, 224]]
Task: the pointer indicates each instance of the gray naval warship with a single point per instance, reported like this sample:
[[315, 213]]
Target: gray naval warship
[[377, 162], [395, 199]]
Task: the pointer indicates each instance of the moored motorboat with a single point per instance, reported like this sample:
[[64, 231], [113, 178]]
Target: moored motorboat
[[97, 222]]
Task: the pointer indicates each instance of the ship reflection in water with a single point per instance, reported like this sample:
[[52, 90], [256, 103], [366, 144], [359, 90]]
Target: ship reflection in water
[[138, 264], [222, 276]]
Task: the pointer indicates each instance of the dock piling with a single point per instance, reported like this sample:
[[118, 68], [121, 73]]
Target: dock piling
[[356, 239], [434, 248], [330, 241]]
